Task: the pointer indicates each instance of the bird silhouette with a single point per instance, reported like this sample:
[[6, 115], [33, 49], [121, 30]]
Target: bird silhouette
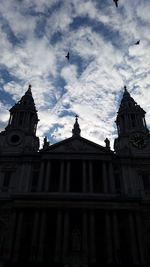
[[68, 56], [116, 2], [138, 42]]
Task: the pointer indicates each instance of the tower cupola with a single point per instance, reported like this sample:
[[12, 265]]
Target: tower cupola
[[23, 115], [131, 117], [20, 134]]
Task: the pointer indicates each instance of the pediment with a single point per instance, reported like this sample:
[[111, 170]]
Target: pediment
[[77, 145]]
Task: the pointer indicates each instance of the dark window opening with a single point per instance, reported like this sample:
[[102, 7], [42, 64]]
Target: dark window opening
[[133, 120], [76, 173], [100, 237], [21, 115], [34, 182], [55, 176], [146, 181], [117, 181], [124, 252], [6, 181], [75, 230], [97, 176], [26, 249], [49, 241], [123, 123]]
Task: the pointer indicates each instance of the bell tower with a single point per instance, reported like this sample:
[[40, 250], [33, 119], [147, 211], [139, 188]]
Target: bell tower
[[20, 133], [133, 134]]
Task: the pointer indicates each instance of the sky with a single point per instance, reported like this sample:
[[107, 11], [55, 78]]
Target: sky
[[36, 35]]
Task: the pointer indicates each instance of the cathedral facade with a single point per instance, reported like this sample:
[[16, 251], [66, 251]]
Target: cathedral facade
[[74, 203]]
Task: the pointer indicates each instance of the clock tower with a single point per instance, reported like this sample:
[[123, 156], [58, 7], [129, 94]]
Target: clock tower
[[133, 134], [20, 134]]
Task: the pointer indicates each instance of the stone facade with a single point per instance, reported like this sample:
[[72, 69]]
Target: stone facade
[[74, 203]]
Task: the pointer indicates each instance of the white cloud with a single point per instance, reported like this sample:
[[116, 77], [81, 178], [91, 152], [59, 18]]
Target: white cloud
[[102, 60]]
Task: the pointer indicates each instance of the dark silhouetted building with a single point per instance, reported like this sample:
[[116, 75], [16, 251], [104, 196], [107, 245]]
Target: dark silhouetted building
[[74, 203]]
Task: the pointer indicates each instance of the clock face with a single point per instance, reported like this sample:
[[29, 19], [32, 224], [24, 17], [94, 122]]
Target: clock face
[[138, 140]]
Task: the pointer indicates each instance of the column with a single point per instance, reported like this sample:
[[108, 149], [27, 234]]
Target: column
[[117, 255], [47, 177], [92, 237], [91, 176], [139, 238], [27, 177], [42, 236], [109, 256], [132, 180], [18, 236], [61, 178], [16, 120], [133, 242], [34, 236], [104, 177], [65, 237], [111, 178], [1, 180], [12, 234], [84, 177], [84, 236], [68, 177], [41, 176], [58, 236], [125, 182], [21, 177], [24, 177]]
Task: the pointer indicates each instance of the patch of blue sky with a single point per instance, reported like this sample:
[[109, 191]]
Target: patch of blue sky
[[118, 97], [50, 133], [51, 100], [107, 32], [6, 98], [12, 38], [60, 83], [103, 4], [40, 27], [2, 125], [7, 76], [80, 22], [79, 62], [56, 37], [48, 11], [136, 89], [64, 113]]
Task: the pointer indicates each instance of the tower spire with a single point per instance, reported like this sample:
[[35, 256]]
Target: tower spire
[[23, 115], [28, 92], [131, 117], [20, 133], [76, 130]]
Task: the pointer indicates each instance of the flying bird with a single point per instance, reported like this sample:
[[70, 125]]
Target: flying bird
[[116, 2], [138, 42], [68, 56]]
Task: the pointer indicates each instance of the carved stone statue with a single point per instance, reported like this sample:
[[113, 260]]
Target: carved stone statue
[[107, 142], [46, 143]]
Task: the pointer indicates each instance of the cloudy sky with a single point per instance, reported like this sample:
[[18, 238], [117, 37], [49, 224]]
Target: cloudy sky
[[35, 36]]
